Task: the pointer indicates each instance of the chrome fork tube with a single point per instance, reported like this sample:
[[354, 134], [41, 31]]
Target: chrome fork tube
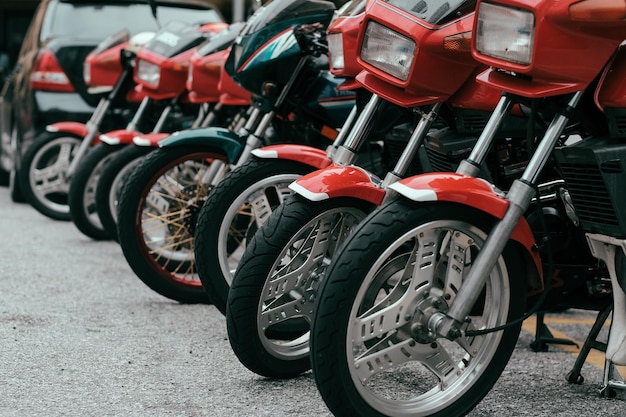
[[343, 133], [132, 125], [344, 155], [413, 145], [93, 126], [471, 165], [519, 197]]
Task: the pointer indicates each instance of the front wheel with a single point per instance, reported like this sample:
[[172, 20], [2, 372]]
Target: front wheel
[[110, 184], [270, 304], [157, 213], [43, 173], [82, 194], [371, 350], [233, 211]]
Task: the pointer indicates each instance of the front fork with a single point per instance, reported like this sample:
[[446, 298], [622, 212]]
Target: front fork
[[450, 323], [93, 127]]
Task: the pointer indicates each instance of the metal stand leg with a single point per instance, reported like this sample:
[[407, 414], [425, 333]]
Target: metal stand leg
[[612, 381], [543, 336], [574, 376]]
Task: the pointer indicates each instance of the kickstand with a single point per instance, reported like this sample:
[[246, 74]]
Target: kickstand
[[574, 376], [543, 336]]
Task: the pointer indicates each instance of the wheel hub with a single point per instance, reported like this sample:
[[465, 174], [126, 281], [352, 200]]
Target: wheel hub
[[420, 316]]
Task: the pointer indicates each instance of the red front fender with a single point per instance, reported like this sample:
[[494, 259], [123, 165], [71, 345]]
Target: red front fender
[[339, 181], [75, 128], [149, 139], [119, 137], [314, 157], [470, 191]]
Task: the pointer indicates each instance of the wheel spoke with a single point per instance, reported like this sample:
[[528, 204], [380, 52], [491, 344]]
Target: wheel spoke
[[458, 251], [280, 311], [392, 311], [295, 273], [391, 352]]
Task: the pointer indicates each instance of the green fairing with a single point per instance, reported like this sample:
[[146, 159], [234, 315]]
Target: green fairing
[[217, 138]]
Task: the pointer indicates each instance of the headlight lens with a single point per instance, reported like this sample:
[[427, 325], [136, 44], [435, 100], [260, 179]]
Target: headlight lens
[[505, 33], [387, 50], [335, 50], [148, 72]]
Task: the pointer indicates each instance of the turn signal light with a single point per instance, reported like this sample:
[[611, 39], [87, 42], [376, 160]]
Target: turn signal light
[[461, 42], [598, 10]]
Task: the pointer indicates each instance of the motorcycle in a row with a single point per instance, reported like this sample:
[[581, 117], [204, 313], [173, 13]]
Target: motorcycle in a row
[[406, 296], [380, 193]]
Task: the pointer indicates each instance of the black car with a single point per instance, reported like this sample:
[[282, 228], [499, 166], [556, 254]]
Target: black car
[[47, 85]]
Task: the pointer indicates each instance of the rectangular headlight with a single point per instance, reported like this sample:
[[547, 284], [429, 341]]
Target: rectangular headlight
[[505, 33], [388, 50], [148, 72], [335, 50]]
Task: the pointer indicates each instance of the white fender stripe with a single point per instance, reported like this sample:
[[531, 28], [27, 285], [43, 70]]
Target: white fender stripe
[[309, 195], [413, 194], [265, 154]]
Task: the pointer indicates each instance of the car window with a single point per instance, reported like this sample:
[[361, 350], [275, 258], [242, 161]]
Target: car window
[[100, 20]]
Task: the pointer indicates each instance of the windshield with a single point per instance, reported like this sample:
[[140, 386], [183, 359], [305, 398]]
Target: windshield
[[435, 11], [277, 10], [351, 8], [98, 21]]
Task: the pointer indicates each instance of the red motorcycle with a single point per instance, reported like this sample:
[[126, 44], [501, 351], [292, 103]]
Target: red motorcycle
[[426, 298], [159, 203], [221, 101], [278, 276], [246, 197], [168, 98], [49, 160]]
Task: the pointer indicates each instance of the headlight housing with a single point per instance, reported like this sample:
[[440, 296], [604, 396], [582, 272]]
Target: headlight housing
[[505, 33], [149, 73], [335, 50], [387, 50]]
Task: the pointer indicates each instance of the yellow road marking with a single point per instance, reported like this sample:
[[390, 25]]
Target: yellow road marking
[[595, 357]]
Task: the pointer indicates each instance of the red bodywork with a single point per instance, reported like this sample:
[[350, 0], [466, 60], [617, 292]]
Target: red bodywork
[[174, 72], [571, 54], [436, 72], [231, 93], [204, 76]]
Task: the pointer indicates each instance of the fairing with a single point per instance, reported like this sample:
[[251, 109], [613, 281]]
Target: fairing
[[570, 55], [436, 71], [267, 49]]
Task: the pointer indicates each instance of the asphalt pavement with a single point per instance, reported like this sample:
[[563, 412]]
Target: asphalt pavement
[[80, 335]]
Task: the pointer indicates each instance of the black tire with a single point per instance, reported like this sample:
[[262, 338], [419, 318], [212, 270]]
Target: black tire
[[82, 194], [298, 241], [227, 221], [358, 315], [43, 173], [110, 184], [15, 189], [4, 178], [156, 216]]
